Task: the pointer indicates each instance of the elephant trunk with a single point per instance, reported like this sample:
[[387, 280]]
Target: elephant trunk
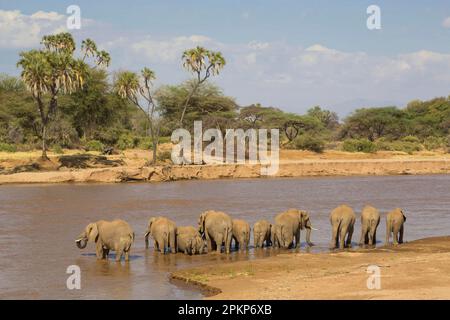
[[81, 243], [308, 233], [146, 239]]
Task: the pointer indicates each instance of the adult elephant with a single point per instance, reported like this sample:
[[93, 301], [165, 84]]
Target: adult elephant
[[163, 231], [216, 227], [370, 219], [342, 221], [116, 235], [288, 225], [395, 221], [241, 234], [189, 240]]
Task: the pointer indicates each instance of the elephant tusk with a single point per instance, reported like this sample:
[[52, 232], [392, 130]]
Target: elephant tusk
[[314, 229], [78, 240], [146, 234]]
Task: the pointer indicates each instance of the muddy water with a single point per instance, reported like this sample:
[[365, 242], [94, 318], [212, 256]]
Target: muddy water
[[38, 225]]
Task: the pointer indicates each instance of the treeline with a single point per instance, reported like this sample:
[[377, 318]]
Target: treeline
[[96, 117]]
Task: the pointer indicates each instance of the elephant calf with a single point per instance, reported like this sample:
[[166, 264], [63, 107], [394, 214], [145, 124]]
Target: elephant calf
[[115, 235], [163, 231], [370, 219], [216, 227], [262, 234], [342, 221], [394, 224], [189, 241], [241, 234]]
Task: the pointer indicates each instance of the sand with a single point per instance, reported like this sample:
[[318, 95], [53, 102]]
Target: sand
[[415, 270]]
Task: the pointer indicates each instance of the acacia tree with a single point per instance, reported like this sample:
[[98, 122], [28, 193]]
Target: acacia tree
[[202, 63], [53, 71], [138, 90]]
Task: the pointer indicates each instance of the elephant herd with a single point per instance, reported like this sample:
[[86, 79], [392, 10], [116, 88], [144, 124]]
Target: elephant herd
[[217, 230]]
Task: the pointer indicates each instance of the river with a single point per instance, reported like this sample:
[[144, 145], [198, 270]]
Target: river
[[39, 223]]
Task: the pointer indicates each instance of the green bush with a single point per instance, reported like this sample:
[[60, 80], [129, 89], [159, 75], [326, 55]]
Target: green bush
[[6, 147], [309, 142], [408, 144], [433, 143], [359, 145], [145, 143], [94, 145], [127, 141], [57, 149]]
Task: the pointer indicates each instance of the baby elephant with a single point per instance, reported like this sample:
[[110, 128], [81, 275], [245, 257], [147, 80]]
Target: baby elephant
[[114, 235], [241, 234], [189, 241], [262, 234], [163, 232], [342, 221], [394, 224], [370, 219]]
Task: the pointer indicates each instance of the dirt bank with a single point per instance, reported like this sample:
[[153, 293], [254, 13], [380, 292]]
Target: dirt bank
[[131, 166], [415, 270]]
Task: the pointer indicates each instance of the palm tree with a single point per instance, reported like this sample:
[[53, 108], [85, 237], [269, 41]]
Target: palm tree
[[129, 86], [49, 73], [203, 63], [89, 48]]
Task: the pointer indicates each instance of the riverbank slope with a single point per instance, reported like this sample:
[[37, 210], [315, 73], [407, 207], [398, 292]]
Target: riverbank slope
[[133, 165], [416, 270]]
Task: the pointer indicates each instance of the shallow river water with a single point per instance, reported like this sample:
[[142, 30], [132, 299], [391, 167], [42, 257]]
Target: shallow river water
[[39, 223]]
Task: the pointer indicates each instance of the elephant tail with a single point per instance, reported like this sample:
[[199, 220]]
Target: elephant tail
[[131, 236]]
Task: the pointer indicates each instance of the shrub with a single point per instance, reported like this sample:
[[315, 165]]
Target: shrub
[[359, 145], [412, 139], [127, 141], [308, 142], [57, 149], [6, 147], [145, 143], [94, 145], [408, 144], [433, 143]]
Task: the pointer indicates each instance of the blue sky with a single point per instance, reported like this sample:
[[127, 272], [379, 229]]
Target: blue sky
[[287, 54]]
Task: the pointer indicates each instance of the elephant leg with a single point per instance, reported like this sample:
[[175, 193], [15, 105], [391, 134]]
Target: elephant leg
[[256, 241], [349, 236], [334, 236], [99, 250], [388, 233], [219, 240], [119, 254], [227, 243], [127, 255], [105, 253], [297, 239], [208, 243], [342, 234], [395, 235], [400, 238], [362, 239], [374, 237], [173, 249]]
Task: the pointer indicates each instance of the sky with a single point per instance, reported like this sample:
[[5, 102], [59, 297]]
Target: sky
[[288, 54]]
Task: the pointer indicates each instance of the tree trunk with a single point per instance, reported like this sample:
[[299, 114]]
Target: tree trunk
[[186, 103], [44, 142]]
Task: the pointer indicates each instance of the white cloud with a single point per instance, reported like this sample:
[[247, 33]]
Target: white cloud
[[446, 22], [20, 30], [169, 50]]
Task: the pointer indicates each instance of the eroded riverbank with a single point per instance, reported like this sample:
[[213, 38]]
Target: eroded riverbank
[[416, 270]]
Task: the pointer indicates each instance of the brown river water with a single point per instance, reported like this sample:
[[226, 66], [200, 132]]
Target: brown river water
[[39, 223]]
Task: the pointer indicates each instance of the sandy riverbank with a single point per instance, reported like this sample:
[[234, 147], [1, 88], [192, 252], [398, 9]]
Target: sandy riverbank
[[416, 270], [131, 166]]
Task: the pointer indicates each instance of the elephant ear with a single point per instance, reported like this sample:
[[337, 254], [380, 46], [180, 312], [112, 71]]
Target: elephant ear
[[201, 222], [404, 217], [150, 222], [92, 232], [303, 219]]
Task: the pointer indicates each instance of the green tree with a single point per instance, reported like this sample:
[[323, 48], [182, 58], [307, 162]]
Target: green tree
[[202, 63], [138, 90], [328, 118], [51, 72]]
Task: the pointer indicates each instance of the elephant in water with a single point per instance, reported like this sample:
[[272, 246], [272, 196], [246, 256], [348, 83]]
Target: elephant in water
[[241, 234], [370, 219], [288, 225], [394, 224], [342, 221], [216, 227], [189, 241], [163, 231], [262, 233], [116, 235]]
